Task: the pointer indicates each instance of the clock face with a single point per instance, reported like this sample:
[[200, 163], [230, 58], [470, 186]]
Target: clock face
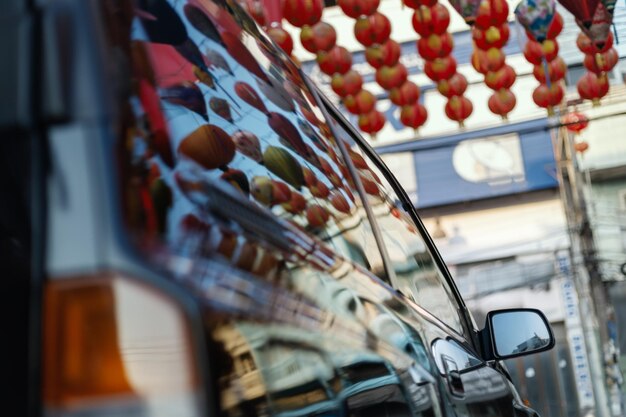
[[486, 160]]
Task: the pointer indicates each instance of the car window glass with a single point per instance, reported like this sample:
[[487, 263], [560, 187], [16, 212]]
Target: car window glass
[[417, 274], [452, 351], [215, 100], [232, 181]]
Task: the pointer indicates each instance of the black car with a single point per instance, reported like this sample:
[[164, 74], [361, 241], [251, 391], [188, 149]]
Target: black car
[[191, 229]]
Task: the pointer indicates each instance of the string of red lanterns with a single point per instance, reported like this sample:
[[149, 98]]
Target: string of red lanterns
[[372, 29], [549, 68], [320, 38], [430, 21], [490, 34], [598, 61]]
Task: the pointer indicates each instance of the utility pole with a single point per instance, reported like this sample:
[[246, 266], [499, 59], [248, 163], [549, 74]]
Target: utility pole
[[585, 269]]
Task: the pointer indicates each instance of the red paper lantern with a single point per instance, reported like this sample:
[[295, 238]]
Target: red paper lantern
[[319, 37], [435, 46], [601, 62], [414, 115], [586, 45], [391, 77], [502, 102], [575, 122], [408, 93], [358, 8], [459, 108], [347, 84], [593, 87], [440, 68], [492, 37], [556, 71], [372, 122], [360, 103], [431, 20], [369, 30], [337, 60], [414, 4], [502, 78], [209, 146], [535, 52], [303, 12], [548, 97], [490, 60], [282, 38], [582, 10], [555, 27], [455, 86], [387, 54], [491, 13], [581, 147]]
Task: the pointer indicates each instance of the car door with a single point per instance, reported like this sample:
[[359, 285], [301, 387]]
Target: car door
[[470, 385], [233, 183]]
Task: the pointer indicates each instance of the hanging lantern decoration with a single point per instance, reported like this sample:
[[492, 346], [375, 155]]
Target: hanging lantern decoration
[[586, 46], [360, 103], [358, 8], [440, 68], [575, 122], [413, 115], [347, 84], [372, 29], [386, 54], [431, 20], [536, 16], [490, 34], [502, 102], [600, 27], [490, 60], [391, 77], [188, 95], [491, 13], [582, 10], [372, 122], [601, 62], [595, 83], [337, 60], [435, 46], [581, 147], [408, 93], [593, 87], [414, 4], [548, 96], [209, 146], [459, 108], [502, 78], [556, 71], [543, 24], [280, 162], [454, 86], [494, 37], [221, 108], [536, 52], [319, 37], [303, 12], [248, 144]]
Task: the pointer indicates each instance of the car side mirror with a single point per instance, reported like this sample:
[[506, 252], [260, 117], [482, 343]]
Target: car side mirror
[[515, 332]]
